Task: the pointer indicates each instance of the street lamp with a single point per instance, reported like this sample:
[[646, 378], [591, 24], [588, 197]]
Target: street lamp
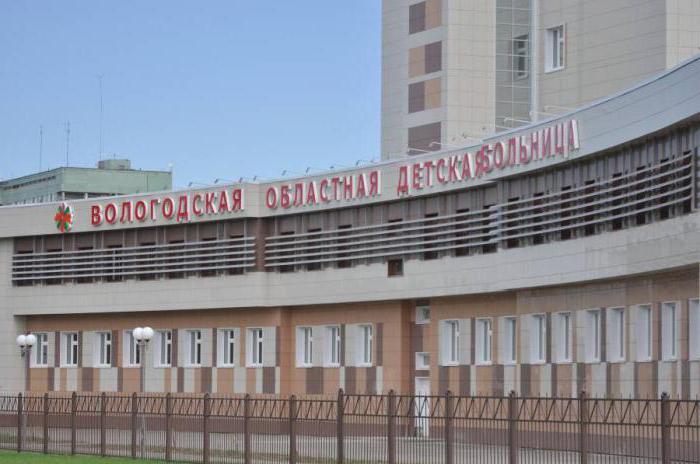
[[143, 335], [25, 344]]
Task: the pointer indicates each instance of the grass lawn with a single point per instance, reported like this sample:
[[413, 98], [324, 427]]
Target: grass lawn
[[10, 457]]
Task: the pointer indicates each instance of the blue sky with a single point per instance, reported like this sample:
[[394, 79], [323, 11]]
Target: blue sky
[[217, 88]]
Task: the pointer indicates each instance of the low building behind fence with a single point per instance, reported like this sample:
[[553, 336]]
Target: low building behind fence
[[354, 428]]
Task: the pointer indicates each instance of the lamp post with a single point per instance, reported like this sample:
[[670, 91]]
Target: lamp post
[[143, 335], [25, 344]]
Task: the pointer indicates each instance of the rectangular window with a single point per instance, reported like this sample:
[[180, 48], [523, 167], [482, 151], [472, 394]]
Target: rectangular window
[[538, 349], [41, 355], [422, 361], [510, 341], [333, 345], [104, 353], [424, 138], [643, 330], [554, 49], [255, 347], [227, 348], [366, 345], [305, 346], [70, 349], [562, 336], [520, 56], [134, 350], [694, 328], [422, 314], [483, 341], [616, 334], [450, 342], [165, 347], [416, 18], [593, 340], [669, 331], [195, 347]]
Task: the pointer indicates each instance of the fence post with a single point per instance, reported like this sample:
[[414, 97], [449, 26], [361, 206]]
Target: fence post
[[449, 429], [73, 413], [340, 412], [205, 427], [391, 428], [103, 424], [45, 424], [246, 429], [19, 422], [292, 430], [168, 426], [583, 427], [134, 412], [512, 428], [665, 429]]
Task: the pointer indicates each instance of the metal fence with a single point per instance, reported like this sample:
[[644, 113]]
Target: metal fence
[[355, 428]]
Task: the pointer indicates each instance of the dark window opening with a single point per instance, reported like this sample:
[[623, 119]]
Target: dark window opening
[[313, 251], [429, 240], [343, 231], [461, 235], [395, 267]]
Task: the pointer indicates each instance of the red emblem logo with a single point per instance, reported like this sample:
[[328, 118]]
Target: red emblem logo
[[64, 218]]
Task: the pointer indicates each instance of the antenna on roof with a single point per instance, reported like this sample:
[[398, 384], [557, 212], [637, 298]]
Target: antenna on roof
[[99, 76], [67, 141], [41, 144]]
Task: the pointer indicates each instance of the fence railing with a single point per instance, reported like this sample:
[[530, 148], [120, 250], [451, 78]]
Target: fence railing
[[355, 428]]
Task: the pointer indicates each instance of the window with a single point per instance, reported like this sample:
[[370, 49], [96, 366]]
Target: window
[[422, 361], [643, 333], [554, 49], [483, 341], [165, 346], [227, 348], [255, 347], [593, 335], [520, 56], [195, 347], [510, 341], [104, 352], [305, 346], [70, 349], [538, 340], [134, 350], [562, 337], [366, 347], [616, 335], [333, 345], [394, 268], [450, 343], [669, 331], [416, 18], [41, 355], [694, 327], [422, 314]]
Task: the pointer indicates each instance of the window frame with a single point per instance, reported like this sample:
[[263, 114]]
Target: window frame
[[674, 354], [449, 345], [616, 318], [333, 344], [305, 346], [563, 321], [521, 51], [509, 354], [555, 47], [132, 356], [194, 347], [694, 328], [226, 349], [419, 358], [69, 348], [483, 339], [420, 314], [255, 346], [164, 339], [102, 343], [644, 333], [38, 359], [538, 350], [593, 335], [366, 341]]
